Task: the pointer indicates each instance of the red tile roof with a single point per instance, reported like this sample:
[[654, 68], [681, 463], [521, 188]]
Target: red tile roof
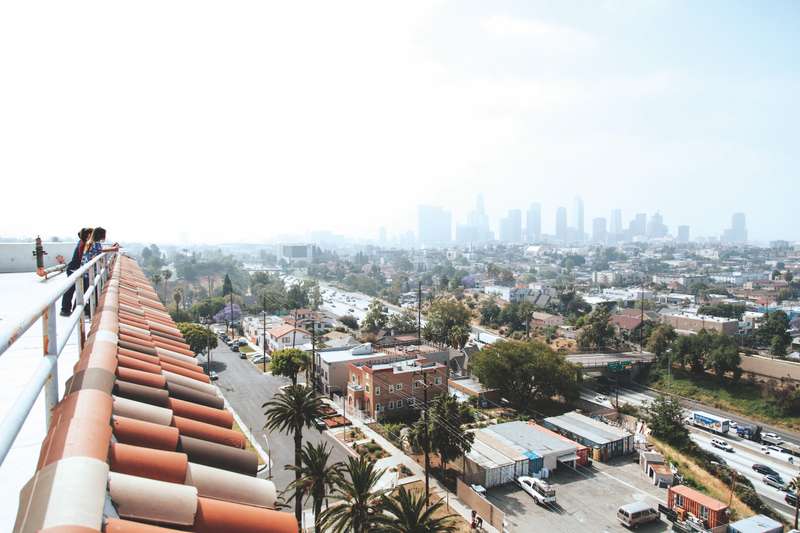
[[141, 442], [626, 322]]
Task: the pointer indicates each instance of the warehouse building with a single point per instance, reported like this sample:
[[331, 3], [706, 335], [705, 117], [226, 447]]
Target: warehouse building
[[605, 441], [544, 449]]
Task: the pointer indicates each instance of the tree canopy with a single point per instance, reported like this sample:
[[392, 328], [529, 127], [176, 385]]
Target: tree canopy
[[289, 362], [375, 319], [443, 315], [525, 371], [665, 419], [597, 331], [197, 337]]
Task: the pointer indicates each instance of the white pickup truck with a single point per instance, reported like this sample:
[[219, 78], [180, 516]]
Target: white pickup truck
[[540, 490]]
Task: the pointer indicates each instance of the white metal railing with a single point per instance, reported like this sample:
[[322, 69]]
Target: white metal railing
[[46, 373]]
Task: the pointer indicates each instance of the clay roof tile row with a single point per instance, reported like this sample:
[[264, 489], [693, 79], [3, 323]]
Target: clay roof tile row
[[141, 442]]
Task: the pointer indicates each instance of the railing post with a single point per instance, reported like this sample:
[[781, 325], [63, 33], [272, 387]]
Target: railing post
[[80, 307], [94, 291], [50, 347]]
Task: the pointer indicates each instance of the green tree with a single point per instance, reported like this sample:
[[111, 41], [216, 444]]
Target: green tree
[[597, 331], [297, 296], [681, 349], [317, 477], [197, 337], [443, 315], [315, 297], [357, 496], [375, 319], [775, 324], [778, 345], [724, 357], [665, 419], [227, 286], [350, 321], [448, 438], [177, 296], [289, 362], [659, 342], [403, 322], [490, 312], [290, 411], [459, 335], [166, 275], [525, 371], [408, 513]]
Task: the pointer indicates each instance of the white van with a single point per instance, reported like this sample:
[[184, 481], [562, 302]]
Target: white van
[[722, 445], [634, 514]]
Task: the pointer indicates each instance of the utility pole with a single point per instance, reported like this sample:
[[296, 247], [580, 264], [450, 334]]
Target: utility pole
[[264, 335], [419, 313], [313, 353], [427, 440], [294, 331], [641, 318]]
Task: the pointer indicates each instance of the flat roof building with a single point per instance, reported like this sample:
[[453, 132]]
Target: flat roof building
[[605, 440]]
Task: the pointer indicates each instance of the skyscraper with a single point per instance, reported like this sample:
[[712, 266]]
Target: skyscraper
[[579, 227], [533, 226], [434, 226], [683, 234], [561, 224], [511, 227], [616, 222], [599, 230], [479, 222], [638, 225], [737, 233], [656, 228]]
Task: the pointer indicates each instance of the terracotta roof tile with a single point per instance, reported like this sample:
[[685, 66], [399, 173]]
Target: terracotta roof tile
[[161, 447]]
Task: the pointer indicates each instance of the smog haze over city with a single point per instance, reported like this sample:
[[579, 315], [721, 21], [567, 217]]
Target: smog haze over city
[[263, 121]]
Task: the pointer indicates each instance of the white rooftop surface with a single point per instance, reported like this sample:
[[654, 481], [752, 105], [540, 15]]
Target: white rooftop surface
[[19, 292], [346, 354]]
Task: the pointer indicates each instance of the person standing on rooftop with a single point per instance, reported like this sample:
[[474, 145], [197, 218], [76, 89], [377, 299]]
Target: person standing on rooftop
[[93, 247], [73, 265]]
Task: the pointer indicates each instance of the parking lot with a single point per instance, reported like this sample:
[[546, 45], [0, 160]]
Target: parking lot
[[587, 500]]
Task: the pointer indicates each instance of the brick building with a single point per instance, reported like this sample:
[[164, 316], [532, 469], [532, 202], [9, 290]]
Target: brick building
[[380, 389]]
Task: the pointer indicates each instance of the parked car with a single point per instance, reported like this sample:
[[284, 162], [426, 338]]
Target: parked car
[[600, 398], [765, 470], [242, 342], [637, 513], [541, 491], [242, 355], [213, 375], [790, 498], [774, 481], [235, 348], [722, 445]]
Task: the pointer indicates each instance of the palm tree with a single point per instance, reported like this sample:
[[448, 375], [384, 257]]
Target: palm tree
[[317, 477], [794, 487], [290, 411], [166, 274], [177, 296], [156, 280], [409, 514], [358, 499]]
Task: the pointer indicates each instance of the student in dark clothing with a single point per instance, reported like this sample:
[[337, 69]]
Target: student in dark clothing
[[72, 266]]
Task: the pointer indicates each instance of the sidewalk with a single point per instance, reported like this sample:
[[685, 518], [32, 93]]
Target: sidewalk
[[397, 456]]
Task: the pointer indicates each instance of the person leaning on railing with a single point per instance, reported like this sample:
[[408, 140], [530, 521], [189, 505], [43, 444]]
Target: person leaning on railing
[[93, 248], [74, 264]]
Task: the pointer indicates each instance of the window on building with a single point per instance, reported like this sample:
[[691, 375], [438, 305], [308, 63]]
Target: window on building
[[378, 407], [414, 384], [410, 402], [391, 404], [391, 388], [377, 390], [366, 387], [679, 500], [704, 512], [437, 380], [353, 378], [399, 386]]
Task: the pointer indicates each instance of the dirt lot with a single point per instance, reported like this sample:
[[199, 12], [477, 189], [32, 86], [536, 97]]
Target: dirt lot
[[587, 500]]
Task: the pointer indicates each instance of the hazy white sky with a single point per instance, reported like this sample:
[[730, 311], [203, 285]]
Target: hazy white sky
[[239, 121]]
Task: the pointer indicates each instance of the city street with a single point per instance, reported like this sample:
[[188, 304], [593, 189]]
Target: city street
[[246, 389]]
